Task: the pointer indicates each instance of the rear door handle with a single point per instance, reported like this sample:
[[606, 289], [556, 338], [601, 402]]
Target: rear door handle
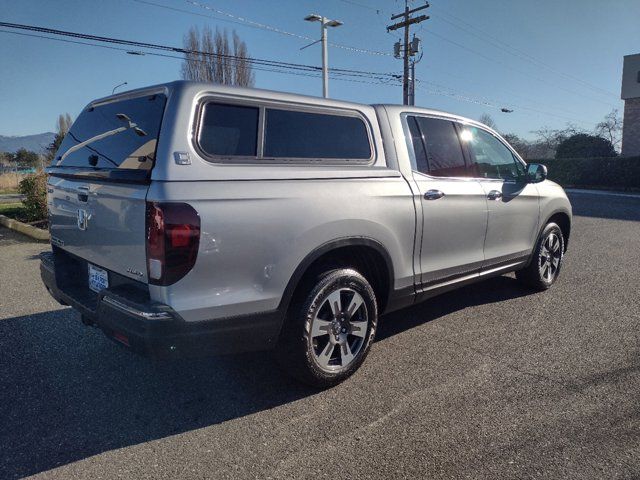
[[494, 195], [433, 195]]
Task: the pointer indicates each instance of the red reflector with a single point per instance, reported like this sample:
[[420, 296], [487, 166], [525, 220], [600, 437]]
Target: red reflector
[[121, 338], [180, 235]]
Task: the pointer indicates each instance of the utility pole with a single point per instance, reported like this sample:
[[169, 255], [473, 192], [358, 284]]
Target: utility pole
[[412, 84], [406, 47], [324, 23]]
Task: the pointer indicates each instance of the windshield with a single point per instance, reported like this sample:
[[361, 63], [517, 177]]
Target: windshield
[[114, 135]]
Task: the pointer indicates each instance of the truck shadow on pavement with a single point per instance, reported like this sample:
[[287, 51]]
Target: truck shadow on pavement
[[69, 393]]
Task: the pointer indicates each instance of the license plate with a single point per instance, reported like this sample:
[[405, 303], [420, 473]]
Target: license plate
[[98, 278]]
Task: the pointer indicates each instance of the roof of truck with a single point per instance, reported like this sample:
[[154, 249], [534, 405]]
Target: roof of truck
[[200, 87]]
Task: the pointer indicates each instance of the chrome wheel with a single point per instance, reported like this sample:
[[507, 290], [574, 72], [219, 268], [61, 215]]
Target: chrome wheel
[[339, 329], [550, 257]]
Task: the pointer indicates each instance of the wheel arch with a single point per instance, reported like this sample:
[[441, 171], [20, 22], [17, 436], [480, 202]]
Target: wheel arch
[[365, 254], [563, 220]]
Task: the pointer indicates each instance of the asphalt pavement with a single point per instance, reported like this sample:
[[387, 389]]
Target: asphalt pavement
[[491, 381]]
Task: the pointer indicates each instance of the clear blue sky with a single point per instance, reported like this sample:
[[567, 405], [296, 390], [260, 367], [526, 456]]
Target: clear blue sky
[[574, 39]]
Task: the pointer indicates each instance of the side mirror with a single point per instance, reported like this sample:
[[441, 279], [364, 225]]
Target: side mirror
[[536, 173]]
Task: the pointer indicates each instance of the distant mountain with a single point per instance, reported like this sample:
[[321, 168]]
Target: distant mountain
[[36, 143]]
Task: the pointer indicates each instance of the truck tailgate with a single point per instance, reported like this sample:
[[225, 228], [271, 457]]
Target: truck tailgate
[[103, 223]]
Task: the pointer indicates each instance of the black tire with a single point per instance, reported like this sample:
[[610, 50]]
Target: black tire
[[301, 352], [541, 273]]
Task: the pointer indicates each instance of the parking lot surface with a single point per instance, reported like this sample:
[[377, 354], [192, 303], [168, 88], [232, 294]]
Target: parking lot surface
[[491, 381]]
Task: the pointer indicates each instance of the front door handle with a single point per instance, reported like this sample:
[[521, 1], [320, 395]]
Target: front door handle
[[433, 195], [494, 195]]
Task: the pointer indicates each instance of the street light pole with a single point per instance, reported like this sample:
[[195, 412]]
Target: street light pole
[[325, 59], [119, 85], [324, 23]]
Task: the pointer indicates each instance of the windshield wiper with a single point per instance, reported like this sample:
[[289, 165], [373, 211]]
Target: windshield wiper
[[115, 131]]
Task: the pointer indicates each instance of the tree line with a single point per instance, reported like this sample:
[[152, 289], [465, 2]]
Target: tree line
[[23, 158], [568, 142]]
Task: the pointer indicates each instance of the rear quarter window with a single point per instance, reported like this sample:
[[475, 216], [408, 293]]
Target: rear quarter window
[[306, 135], [229, 130]]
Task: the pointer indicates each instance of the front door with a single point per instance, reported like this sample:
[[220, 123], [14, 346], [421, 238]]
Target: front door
[[513, 204], [453, 206]]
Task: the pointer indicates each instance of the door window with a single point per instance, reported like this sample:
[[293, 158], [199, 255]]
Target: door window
[[437, 147], [490, 157]]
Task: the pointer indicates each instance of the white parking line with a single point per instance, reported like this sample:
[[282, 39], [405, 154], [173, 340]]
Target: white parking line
[[602, 192]]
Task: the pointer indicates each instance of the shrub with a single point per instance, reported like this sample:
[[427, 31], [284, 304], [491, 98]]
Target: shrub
[[34, 188], [620, 173], [582, 145]]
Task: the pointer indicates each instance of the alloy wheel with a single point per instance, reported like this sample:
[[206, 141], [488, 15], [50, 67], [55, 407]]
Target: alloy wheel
[[550, 257], [339, 329]]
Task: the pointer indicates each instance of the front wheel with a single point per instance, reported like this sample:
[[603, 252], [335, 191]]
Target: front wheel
[[544, 268], [329, 328]]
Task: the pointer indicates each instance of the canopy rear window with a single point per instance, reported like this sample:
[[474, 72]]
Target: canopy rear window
[[115, 135]]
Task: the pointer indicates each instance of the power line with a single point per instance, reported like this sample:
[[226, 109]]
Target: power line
[[496, 42], [522, 72], [506, 47], [154, 46], [145, 53], [236, 19], [358, 76], [362, 5], [491, 103], [257, 64], [513, 93], [283, 32]]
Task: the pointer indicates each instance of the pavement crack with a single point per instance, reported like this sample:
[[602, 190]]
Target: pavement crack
[[568, 386]]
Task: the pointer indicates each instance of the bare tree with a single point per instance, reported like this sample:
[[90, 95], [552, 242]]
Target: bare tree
[[522, 146], [611, 129], [212, 57], [63, 125], [488, 121], [548, 139]]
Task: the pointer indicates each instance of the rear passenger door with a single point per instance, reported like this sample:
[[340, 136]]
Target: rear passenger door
[[453, 205], [512, 202]]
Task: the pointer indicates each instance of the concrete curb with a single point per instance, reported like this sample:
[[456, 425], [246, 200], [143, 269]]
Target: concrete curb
[[607, 193], [28, 230]]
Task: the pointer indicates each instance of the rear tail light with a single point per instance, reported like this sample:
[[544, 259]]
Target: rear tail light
[[173, 236]]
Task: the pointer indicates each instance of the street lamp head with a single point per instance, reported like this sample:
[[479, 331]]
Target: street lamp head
[[313, 18], [334, 23]]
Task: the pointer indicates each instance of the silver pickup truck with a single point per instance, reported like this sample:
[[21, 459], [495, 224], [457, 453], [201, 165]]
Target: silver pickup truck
[[191, 218]]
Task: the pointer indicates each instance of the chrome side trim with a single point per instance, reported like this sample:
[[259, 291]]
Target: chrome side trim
[[449, 282], [504, 268]]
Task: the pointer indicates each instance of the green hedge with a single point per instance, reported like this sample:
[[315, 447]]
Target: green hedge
[[617, 173], [34, 188]]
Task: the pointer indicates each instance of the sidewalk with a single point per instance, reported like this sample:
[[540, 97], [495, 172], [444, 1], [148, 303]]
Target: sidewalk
[[11, 198]]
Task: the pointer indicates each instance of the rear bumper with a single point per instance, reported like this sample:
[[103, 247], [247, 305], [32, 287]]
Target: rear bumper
[[156, 330]]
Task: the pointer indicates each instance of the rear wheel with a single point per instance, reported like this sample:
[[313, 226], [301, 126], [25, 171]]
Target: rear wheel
[[545, 265], [329, 328]]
